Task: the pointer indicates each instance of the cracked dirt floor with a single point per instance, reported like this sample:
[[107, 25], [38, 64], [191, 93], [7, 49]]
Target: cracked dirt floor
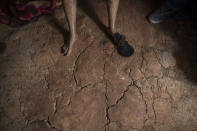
[[94, 89]]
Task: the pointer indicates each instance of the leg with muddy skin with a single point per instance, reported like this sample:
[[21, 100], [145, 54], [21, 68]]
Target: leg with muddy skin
[[112, 6], [70, 9]]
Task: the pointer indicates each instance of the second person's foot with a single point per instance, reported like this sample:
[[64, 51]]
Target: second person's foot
[[160, 14]]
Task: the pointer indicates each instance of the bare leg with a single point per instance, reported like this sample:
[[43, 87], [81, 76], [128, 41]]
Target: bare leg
[[125, 49], [70, 9], [112, 12]]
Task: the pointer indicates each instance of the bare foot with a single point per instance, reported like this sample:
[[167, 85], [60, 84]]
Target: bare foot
[[67, 49]]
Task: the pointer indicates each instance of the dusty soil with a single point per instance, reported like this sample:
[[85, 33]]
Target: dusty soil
[[95, 89]]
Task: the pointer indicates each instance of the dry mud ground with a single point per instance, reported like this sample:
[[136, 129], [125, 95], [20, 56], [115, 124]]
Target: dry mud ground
[[95, 89]]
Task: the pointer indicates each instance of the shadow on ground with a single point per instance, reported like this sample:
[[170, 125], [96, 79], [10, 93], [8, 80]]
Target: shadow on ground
[[185, 35]]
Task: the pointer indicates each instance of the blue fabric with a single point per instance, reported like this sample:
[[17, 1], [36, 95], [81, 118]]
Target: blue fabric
[[176, 5], [183, 7]]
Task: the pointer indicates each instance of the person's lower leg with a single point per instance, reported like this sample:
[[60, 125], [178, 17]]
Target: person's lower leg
[[70, 8], [112, 6]]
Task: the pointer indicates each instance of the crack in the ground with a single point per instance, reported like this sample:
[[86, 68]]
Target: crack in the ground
[[88, 86], [28, 121], [119, 99], [144, 60], [156, 56], [76, 62], [166, 90], [122, 96], [69, 101], [46, 79], [111, 106], [171, 98], [50, 125], [26, 125], [22, 110], [121, 127], [155, 116], [142, 95], [55, 107], [81, 88], [106, 100], [118, 124], [153, 102], [106, 126], [46, 121], [145, 102], [139, 89], [21, 106], [108, 106]]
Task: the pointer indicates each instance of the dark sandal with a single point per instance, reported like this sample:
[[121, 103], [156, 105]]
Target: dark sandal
[[123, 47]]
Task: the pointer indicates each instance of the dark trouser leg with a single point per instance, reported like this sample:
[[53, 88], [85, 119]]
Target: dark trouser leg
[[176, 5]]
